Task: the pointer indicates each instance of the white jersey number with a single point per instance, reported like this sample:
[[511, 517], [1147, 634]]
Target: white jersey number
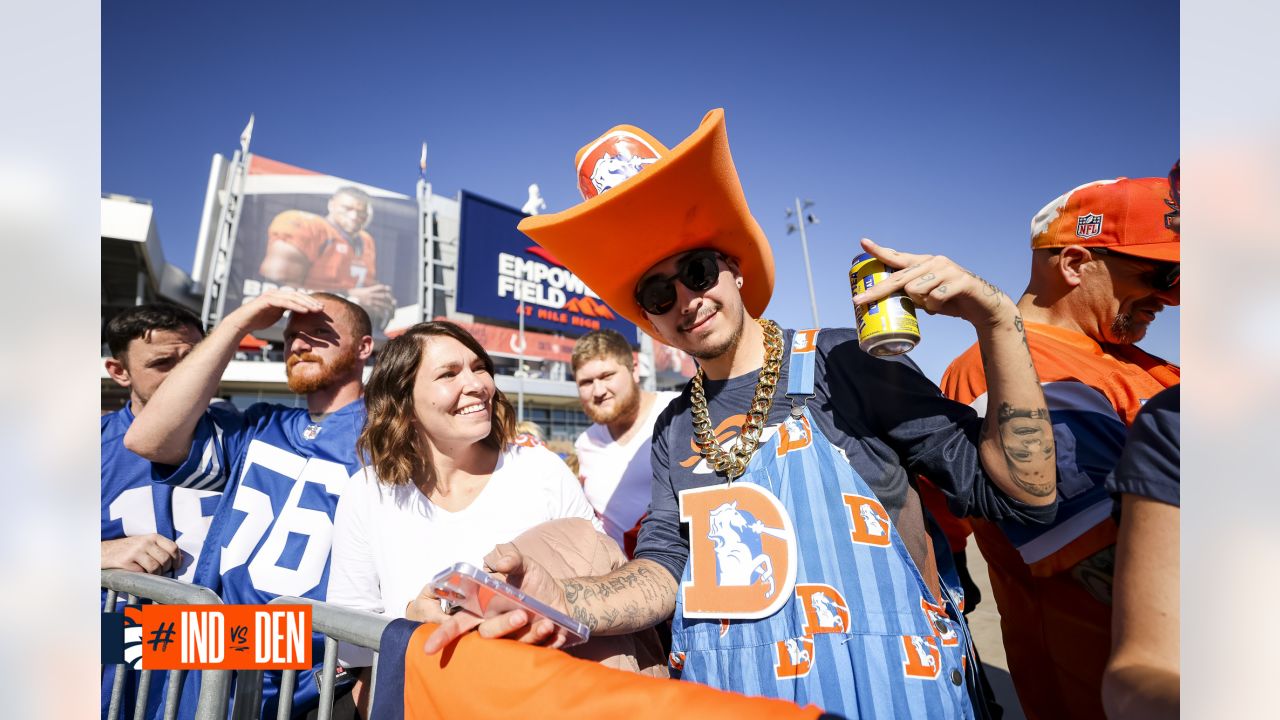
[[314, 527], [136, 511]]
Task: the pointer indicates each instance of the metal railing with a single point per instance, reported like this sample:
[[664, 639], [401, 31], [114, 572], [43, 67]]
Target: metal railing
[[337, 624], [215, 686]]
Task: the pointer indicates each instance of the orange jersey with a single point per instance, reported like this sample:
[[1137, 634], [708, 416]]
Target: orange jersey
[[338, 262], [1052, 584]]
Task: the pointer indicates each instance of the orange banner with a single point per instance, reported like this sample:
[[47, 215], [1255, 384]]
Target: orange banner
[[224, 637]]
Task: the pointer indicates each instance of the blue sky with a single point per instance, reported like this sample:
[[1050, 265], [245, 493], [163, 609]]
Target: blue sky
[[930, 127]]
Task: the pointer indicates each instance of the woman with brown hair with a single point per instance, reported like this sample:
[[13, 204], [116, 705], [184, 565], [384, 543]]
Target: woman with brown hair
[[443, 482]]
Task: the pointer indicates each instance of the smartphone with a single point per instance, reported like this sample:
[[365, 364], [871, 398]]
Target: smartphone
[[480, 594]]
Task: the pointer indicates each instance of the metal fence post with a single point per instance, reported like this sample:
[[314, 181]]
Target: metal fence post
[[215, 685]]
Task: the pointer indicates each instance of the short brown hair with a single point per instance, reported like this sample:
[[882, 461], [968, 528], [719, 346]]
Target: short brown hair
[[389, 441], [603, 343]]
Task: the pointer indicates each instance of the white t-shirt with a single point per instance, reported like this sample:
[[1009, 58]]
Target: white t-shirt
[[388, 542], [618, 478]]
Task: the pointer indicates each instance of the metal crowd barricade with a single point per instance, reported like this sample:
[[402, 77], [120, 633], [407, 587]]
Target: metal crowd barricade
[[215, 686], [337, 624]]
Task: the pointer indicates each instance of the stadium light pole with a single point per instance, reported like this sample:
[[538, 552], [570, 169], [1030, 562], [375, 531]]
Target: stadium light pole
[[801, 221], [531, 207]]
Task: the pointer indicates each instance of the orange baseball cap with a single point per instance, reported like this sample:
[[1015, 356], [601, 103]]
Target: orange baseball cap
[[1127, 216], [644, 203]]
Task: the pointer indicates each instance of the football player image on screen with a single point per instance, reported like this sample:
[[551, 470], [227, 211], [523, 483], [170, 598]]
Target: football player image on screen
[[280, 469], [334, 253]]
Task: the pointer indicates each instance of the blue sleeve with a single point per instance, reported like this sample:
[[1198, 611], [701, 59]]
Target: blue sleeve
[[1150, 463], [215, 443], [660, 539]]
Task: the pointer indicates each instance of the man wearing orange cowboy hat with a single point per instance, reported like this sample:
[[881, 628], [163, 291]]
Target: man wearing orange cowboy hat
[[807, 571]]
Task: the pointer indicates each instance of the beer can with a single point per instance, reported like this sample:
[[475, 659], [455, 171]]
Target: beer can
[[887, 327]]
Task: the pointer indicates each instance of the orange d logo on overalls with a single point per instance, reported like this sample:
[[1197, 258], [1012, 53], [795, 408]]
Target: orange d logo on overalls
[[920, 657], [742, 552], [825, 609], [795, 656], [794, 433], [868, 521]]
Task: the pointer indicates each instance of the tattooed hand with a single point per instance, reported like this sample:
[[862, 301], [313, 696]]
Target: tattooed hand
[[509, 565], [937, 285]]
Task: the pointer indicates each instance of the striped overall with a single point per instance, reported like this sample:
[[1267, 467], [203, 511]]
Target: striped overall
[[798, 586]]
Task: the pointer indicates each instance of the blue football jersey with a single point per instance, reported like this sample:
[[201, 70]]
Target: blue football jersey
[[280, 475], [133, 505]]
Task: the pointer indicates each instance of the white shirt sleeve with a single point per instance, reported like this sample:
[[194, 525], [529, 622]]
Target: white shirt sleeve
[[353, 573]]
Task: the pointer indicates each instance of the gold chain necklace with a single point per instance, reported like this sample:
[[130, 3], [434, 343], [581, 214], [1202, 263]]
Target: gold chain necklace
[[734, 462]]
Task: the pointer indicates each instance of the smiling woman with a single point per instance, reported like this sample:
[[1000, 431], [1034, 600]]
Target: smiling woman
[[444, 482]]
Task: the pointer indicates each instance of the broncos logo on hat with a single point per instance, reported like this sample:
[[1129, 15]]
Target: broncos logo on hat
[[613, 159]]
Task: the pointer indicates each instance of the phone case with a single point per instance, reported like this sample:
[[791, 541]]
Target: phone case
[[480, 594]]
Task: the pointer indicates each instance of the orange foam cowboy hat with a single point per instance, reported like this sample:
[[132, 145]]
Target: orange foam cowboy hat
[[644, 203]]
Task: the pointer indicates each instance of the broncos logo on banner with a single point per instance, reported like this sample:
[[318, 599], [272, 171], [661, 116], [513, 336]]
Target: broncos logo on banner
[[942, 625], [920, 657], [868, 521], [795, 656], [825, 609], [742, 552]]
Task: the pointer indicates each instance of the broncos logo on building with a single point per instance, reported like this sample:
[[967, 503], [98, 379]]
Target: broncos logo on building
[[742, 552]]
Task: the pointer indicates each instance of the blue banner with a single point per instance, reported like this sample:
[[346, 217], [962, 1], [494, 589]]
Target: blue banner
[[498, 266]]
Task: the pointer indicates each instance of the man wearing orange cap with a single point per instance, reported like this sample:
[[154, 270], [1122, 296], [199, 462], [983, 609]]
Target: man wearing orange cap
[[1105, 261], [807, 571]]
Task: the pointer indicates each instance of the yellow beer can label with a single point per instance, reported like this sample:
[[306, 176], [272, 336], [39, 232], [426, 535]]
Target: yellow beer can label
[[887, 327]]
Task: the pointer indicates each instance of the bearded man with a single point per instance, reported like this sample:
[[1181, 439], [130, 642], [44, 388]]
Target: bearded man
[[1105, 260], [790, 456], [280, 469], [613, 454]]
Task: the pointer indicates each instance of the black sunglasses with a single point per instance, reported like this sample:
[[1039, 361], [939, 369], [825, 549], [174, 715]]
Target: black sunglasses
[[698, 271], [1165, 276]]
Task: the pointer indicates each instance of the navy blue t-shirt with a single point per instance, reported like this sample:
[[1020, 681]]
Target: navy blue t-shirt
[[887, 418], [1150, 463]]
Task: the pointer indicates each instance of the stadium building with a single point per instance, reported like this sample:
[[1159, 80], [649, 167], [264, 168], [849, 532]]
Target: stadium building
[[460, 257]]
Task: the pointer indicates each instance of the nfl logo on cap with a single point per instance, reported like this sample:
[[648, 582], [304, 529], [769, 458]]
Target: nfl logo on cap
[[1088, 226]]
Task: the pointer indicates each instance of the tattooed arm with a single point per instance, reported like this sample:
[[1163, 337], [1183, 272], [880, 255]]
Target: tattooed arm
[[1017, 447], [637, 595]]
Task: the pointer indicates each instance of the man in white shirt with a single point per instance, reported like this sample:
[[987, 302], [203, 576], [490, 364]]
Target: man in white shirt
[[613, 454]]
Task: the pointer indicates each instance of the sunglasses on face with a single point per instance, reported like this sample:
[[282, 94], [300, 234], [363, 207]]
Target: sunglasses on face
[[1164, 276], [697, 271], [1175, 196]]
